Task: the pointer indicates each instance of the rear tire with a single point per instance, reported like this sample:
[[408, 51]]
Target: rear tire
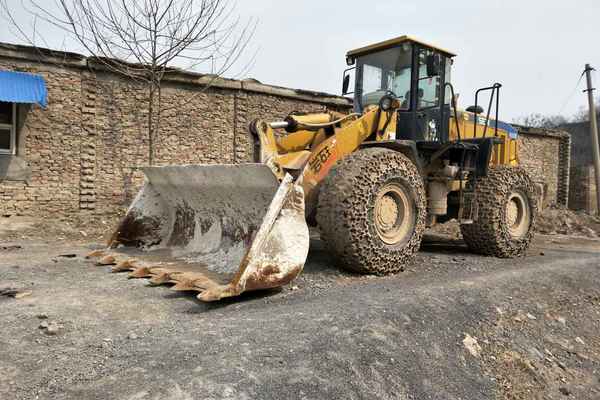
[[372, 211], [507, 210]]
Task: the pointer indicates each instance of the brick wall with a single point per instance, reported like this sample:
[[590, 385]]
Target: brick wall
[[84, 150], [545, 154], [49, 141]]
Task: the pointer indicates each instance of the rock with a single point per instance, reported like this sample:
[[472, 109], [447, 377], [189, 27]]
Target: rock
[[50, 328], [531, 316], [518, 318], [10, 248], [472, 345], [294, 288], [22, 294], [561, 365], [564, 391], [53, 329], [15, 293], [536, 353], [42, 316], [132, 336], [562, 320], [70, 255]]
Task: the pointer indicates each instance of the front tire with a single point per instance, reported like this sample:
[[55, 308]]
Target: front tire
[[372, 211], [507, 210]]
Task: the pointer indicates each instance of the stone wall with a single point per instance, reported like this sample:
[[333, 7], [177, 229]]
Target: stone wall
[[84, 151], [583, 185], [545, 154], [583, 189], [581, 149]]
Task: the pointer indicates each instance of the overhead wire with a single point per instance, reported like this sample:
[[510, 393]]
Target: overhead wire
[[568, 100]]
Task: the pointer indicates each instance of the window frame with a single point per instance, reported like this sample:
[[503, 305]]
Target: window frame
[[13, 132], [440, 81], [360, 71]]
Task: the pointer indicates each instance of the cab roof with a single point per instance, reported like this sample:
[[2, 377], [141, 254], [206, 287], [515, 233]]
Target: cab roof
[[392, 43]]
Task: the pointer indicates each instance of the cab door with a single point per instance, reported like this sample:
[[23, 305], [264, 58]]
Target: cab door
[[428, 96], [425, 120]]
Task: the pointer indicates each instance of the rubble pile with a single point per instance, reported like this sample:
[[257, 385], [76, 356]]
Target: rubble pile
[[550, 221], [560, 220]]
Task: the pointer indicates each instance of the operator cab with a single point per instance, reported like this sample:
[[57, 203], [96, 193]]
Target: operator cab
[[416, 74]]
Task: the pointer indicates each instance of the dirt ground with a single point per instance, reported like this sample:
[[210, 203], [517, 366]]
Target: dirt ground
[[452, 326]]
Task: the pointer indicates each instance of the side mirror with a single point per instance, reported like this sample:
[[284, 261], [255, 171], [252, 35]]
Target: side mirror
[[475, 110], [345, 85], [434, 63], [346, 81]]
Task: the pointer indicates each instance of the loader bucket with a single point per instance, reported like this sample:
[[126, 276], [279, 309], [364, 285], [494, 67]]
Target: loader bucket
[[216, 229]]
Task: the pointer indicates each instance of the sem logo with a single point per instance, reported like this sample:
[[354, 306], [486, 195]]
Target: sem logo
[[317, 162]]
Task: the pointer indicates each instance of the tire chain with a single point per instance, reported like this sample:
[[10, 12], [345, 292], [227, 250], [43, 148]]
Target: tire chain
[[489, 235], [345, 210]]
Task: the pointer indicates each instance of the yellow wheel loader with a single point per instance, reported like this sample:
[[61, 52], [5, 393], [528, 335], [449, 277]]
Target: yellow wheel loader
[[371, 181]]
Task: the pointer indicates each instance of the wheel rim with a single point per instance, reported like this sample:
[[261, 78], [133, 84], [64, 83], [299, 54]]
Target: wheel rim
[[518, 214], [395, 214]]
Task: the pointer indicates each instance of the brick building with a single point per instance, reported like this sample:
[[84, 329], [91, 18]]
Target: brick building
[[546, 153], [81, 153]]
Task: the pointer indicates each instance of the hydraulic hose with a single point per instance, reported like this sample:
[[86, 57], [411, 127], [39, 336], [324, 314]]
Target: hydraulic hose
[[305, 125]]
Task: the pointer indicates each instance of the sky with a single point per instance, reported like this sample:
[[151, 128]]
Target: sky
[[536, 49]]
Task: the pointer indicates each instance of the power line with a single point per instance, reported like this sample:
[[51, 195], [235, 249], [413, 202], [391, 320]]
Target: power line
[[566, 103]]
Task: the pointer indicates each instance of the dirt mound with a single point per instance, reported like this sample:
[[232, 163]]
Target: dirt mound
[[450, 228], [555, 220]]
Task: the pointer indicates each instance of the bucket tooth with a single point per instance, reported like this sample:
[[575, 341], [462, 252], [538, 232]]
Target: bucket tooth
[[159, 278], [184, 286], [140, 272], [107, 260], [125, 265], [203, 283], [95, 254], [218, 292]]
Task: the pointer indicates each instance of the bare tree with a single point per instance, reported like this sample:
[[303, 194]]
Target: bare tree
[[537, 120], [142, 39], [583, 114]]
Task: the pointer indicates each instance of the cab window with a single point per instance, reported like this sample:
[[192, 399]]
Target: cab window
[[428, 91], [383, 72]]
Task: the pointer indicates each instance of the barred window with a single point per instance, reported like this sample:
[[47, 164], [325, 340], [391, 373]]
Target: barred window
[[8, 116]]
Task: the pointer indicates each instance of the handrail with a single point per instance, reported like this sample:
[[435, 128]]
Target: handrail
[[453, 103], [495, 88]]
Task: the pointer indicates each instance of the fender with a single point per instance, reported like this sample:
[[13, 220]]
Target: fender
[[406, 147]]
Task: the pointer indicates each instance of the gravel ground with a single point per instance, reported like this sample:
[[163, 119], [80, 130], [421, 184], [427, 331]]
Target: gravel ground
[[452, 326]]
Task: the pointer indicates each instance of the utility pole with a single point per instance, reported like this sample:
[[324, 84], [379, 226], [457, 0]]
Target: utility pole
[[593, 132]]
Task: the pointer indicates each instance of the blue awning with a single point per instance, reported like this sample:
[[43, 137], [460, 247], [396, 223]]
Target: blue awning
[[20, 87]]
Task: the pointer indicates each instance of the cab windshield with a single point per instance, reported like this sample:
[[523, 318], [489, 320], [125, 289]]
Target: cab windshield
[[387, 71]]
